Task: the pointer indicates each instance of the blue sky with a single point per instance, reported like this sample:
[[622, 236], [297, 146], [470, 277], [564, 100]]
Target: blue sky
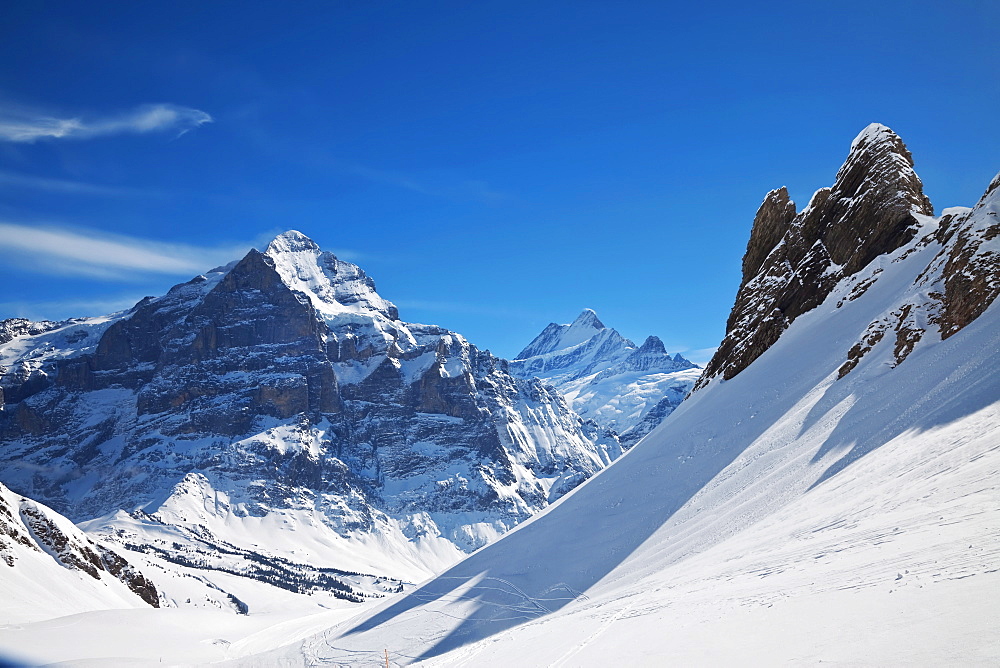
[[493, 166]]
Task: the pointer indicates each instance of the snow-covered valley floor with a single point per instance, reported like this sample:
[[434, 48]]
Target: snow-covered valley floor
[[169, 636], [871, 568]]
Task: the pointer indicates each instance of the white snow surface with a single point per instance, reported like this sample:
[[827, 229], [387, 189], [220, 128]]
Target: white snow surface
[[781, 516]]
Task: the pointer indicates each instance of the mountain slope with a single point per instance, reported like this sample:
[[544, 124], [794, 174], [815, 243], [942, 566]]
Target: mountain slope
[[48, 567], [788, 504], [606, 377], [281, 392]]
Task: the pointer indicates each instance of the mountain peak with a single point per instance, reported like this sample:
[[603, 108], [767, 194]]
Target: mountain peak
[[875, 133], [588, 318], [880, 167], [794, 260], [653, 344], [557, 337], [333, 286], [291, 241]]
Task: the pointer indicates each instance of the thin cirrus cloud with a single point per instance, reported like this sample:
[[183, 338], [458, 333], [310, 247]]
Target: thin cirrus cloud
[[78, 252], [62, 186], [28, 126], [68, 308]]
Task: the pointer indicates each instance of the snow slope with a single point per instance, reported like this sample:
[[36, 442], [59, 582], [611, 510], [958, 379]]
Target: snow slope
[[49, 568], [799, 511]]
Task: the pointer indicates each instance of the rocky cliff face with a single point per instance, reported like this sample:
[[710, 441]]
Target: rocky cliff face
[[874, 214], [625, 388], [972, 271], [290, 387], [794, 260]]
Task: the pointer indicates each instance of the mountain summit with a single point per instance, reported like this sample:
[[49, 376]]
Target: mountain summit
[[794, 260], [560, 337], [604, 376]]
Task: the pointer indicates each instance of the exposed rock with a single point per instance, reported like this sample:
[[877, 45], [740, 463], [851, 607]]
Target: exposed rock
[[972, 272], [773, 220], [793, 263]]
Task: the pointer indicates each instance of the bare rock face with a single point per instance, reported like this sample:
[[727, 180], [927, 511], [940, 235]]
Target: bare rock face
[[772, 223], [972, 272], [875, 209], [793, 261]]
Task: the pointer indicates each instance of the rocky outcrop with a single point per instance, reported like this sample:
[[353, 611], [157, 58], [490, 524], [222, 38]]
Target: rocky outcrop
[[875, 210], [793, 261], [972, 272], [54, 541]]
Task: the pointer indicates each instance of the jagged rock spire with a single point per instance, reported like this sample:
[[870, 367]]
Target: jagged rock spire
[[770, 225], [793, 261]]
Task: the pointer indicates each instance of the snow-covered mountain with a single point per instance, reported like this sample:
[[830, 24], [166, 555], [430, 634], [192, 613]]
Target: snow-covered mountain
[[828, 494], [606, 377], [277, 408]]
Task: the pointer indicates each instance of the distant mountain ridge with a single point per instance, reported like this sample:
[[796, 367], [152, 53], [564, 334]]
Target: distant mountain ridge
[[606, 377], [282, 390]]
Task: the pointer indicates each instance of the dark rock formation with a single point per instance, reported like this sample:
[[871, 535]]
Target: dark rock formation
[[972, 272], [793, 261]]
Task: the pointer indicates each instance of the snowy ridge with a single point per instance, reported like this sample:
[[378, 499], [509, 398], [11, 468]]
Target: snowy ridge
[[332, 285], [607, 378], [560, 337]]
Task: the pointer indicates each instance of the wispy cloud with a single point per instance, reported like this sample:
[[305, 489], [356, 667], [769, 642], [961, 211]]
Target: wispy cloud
[[80, 252], [435, 184], [386, 177], [68, 308], [27, 126], [64, 186]]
